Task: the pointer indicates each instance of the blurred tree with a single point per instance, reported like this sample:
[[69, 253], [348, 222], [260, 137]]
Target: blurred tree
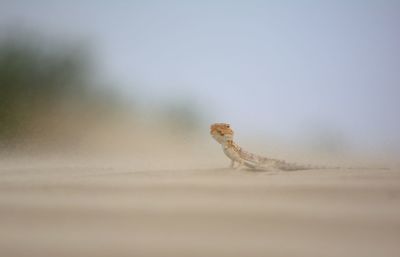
[[35, 78], [48, 93]]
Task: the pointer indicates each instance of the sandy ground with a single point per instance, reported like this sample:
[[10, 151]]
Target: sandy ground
[[70, 208]]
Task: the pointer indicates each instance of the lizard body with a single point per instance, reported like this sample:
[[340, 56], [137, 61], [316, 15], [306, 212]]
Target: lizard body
[[223, 134]]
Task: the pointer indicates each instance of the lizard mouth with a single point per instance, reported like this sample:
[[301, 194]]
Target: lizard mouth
[[216, 132]]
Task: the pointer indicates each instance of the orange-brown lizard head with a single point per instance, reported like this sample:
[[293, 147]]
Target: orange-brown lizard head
[[221, 132]]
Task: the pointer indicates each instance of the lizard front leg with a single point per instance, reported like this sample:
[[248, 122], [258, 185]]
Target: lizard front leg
[[232, 166], [241, 164]]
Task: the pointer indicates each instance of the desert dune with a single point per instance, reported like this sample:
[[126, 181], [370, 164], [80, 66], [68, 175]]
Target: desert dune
[[75, 207]]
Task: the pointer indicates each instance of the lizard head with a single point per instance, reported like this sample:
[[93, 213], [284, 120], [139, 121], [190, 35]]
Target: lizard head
[[221, 132]]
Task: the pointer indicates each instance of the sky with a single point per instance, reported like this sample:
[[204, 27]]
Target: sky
[[277, 68]]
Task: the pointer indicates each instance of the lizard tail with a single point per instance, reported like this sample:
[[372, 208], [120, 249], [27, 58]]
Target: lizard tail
[[287, 166]]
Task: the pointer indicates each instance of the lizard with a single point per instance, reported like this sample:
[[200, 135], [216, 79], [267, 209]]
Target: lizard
[[223, 134]]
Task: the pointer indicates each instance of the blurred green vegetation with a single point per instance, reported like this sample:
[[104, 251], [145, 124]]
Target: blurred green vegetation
[[49, 89], [37, 78]]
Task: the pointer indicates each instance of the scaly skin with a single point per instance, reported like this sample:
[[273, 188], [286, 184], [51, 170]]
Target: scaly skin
[[223, 134]]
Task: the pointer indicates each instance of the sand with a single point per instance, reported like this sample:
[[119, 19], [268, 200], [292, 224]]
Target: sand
[[76, 208]]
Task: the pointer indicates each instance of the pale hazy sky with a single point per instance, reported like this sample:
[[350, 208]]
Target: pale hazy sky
[[277, 67]]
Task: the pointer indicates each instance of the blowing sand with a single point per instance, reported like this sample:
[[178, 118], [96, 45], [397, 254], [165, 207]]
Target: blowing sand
[[75, 208]]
